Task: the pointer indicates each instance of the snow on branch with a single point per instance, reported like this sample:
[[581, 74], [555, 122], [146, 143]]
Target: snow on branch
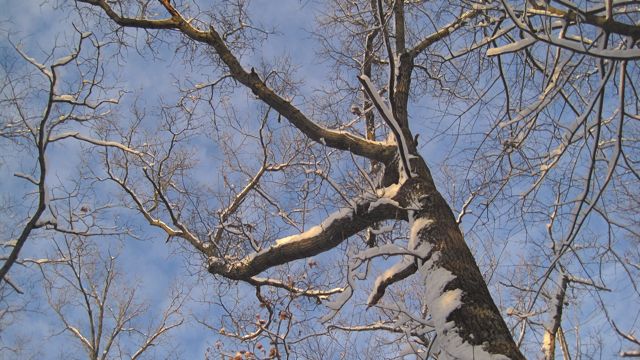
[[93, 141], [338, 227], [406, 267], [579, 44], [391, 121], [43, 69], [314, 293], [381, 325], [511, 47], [400, 271], [629, 337]]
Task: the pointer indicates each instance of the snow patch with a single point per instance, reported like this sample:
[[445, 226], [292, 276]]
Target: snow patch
[[387, 274], [441, 304], [65, 60], [446, 303], [65, 97], [390, 191], [392, 122], [512, 47], [316, 230], [417, 225]]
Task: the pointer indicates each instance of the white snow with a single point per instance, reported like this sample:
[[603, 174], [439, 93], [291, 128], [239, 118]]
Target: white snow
[[409, 254], [318, 229], [512, 47], [10, 243], [65, 60], [65, 97], [340, 300], [388, 115], [390, 191], [448, 344], [620, 54], [46, 218], [387, 274], [417, 225], [34, 62]]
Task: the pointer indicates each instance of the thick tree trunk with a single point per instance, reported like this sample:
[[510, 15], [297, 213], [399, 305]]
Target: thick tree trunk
[[467, 322]]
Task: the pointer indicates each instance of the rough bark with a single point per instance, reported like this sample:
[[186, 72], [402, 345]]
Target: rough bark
[[477, 320]]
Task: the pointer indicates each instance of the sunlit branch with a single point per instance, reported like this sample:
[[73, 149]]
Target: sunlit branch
[[336, 139], [313, 293], [444, 31], [334, 230], [104, 143]]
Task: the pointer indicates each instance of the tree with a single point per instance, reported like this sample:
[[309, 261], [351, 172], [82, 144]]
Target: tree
[[44, 105], [25, 128], [86, 282], [532, 106], [75, 96], [37, 113]]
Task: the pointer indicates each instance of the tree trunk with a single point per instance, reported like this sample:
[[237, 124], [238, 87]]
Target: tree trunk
[[467, 322]]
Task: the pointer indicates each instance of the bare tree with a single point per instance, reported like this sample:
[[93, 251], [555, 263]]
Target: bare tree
[[46, 103], [531, 108], [43, 105], [99, 309]]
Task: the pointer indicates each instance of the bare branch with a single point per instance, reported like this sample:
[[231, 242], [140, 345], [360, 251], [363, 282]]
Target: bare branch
[[331, 232], [337, 139]]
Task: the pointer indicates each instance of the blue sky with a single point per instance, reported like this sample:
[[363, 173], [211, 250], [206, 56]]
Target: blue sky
[[155, 266], [158, 265]]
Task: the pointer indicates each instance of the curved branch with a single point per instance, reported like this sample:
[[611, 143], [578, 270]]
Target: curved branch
[[444, 31], [396, 273], [392, 122], [333, 138], [338, 227], [581, 46]]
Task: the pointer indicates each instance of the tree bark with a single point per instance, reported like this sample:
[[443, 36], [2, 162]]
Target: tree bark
[[453, 281]]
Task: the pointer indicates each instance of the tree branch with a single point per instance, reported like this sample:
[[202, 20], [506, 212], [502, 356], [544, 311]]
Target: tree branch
[[332, 138], [330, 233], [444, 32]]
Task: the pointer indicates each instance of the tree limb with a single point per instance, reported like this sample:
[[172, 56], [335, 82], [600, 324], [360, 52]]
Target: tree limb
[[332, 138], [325, 236]]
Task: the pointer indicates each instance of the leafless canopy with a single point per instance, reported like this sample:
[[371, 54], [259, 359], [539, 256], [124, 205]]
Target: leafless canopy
[[513, 213]]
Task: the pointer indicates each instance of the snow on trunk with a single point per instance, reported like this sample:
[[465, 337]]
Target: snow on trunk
[[442, 300], [467, 323]]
